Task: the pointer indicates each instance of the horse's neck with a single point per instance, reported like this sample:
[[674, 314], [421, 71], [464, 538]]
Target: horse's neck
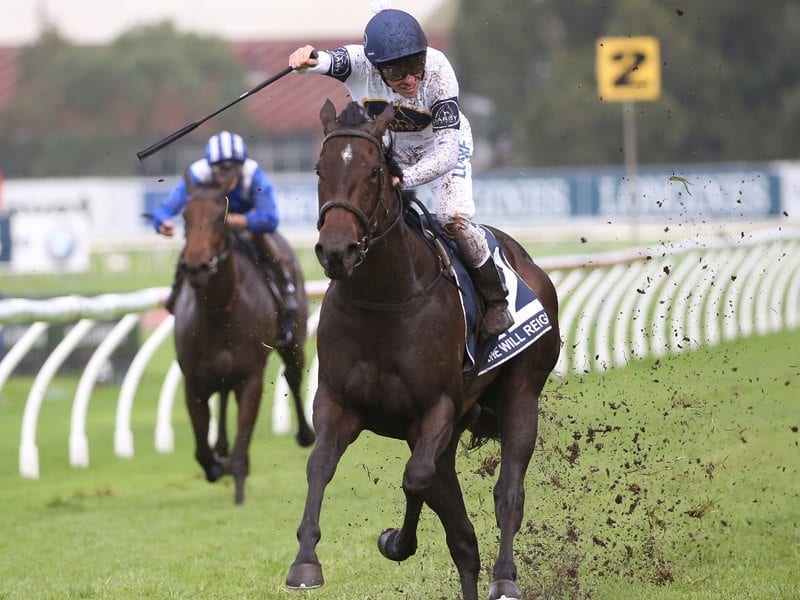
[[222, 289], [396, 269]]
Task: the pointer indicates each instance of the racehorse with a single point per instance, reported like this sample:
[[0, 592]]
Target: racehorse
[[391, 345], [226, 323]]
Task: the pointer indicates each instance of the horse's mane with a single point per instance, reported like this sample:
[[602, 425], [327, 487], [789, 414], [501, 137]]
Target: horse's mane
[[354, 115]]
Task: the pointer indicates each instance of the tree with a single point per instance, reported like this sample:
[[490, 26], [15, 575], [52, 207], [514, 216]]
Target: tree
[[730, 79], [86, 110]]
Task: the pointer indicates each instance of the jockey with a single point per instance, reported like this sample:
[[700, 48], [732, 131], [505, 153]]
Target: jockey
[[251, 208], [432, 138]]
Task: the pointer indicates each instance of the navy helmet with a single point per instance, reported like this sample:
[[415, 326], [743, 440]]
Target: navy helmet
[[393, 34], [226, 146]]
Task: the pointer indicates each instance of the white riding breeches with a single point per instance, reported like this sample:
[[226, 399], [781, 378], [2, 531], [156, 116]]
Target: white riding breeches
[[454, 204]]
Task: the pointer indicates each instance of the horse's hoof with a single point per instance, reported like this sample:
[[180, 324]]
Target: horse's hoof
[[214, 472], [305, 576], [305, 438], [387, 544], [504, 589]]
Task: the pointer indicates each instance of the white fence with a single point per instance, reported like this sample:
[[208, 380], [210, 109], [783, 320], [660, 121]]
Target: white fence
[[632, 305], [615, 308]]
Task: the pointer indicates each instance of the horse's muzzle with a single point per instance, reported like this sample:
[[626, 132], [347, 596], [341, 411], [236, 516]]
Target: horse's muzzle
[[338, 260], [198, 274]]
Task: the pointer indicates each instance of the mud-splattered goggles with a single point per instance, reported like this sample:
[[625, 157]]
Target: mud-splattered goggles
[[408, 65]]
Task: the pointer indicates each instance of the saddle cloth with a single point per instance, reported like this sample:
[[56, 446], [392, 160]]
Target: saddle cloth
[[530, 319]]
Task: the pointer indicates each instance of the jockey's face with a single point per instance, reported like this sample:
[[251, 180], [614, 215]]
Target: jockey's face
[[227, 174], [404, 75], [408, 86]]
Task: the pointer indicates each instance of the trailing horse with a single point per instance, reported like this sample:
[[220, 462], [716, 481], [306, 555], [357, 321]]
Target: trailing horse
[[392, 346], [226, 324]]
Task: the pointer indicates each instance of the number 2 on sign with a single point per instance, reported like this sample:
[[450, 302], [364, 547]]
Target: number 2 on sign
[[634, 60], [628, 68]]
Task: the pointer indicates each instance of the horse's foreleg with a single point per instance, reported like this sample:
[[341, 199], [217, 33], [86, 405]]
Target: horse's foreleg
[[221, 447], [199, 414], [248, 397], [336, 430], [427, 444], [294, 362]]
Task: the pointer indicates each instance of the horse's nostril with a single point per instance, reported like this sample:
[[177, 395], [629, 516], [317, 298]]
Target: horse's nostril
[[195, 269], [353, 253]]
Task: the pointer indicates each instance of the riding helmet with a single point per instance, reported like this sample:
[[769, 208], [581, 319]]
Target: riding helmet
[[393, 34], [226, 146]]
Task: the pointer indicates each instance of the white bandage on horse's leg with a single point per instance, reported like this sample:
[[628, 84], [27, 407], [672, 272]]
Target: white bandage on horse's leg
[[470, 241]]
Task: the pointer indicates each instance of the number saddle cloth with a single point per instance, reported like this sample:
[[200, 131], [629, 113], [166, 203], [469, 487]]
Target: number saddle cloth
[[530, 320]]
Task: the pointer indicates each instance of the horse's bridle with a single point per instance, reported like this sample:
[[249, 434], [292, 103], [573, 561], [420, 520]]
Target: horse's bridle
[[368, 223], [213, 264], [213, 268], [219, 257]]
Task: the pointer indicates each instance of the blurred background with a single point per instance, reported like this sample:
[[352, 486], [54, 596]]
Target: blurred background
[[644, 151], [84, 85]]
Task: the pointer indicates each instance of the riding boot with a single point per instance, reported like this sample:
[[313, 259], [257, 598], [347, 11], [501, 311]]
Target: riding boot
[[496, 318], [287, 304], [286, 295]]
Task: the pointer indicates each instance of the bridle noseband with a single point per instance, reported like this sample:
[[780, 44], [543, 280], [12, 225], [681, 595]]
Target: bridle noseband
[[368, 223]]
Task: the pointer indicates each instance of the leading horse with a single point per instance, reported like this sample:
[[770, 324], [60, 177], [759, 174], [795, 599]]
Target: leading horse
[[226, 323], [391, 347]]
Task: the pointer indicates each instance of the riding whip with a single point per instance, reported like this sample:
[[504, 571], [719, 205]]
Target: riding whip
[[194, 125]]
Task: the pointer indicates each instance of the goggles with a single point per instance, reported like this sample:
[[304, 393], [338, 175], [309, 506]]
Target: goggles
[[224, 166], [399, 69]]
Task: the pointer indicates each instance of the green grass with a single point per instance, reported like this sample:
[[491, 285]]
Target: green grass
[[668, 479]]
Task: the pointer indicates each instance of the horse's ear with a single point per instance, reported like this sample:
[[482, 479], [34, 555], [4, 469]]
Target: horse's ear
[[382, 120], [327, 115]]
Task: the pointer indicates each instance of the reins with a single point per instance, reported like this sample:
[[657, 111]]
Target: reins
[[218, 258], [370, 223]]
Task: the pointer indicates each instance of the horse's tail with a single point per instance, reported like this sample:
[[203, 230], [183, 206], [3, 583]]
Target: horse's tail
[[483, 429]]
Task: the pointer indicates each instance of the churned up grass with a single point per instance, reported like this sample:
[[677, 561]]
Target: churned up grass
[[669, 479]]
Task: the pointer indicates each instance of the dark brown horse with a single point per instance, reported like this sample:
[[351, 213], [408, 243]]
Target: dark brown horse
[[226, 323], [391, 351]]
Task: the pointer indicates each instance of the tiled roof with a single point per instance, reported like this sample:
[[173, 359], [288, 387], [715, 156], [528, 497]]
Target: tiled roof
[[9, 72], [291, 104]]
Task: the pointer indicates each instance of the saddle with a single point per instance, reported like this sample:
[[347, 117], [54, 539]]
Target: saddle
[[530, 320]]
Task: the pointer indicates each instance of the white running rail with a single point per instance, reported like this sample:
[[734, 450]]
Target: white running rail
[[614, 308]]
